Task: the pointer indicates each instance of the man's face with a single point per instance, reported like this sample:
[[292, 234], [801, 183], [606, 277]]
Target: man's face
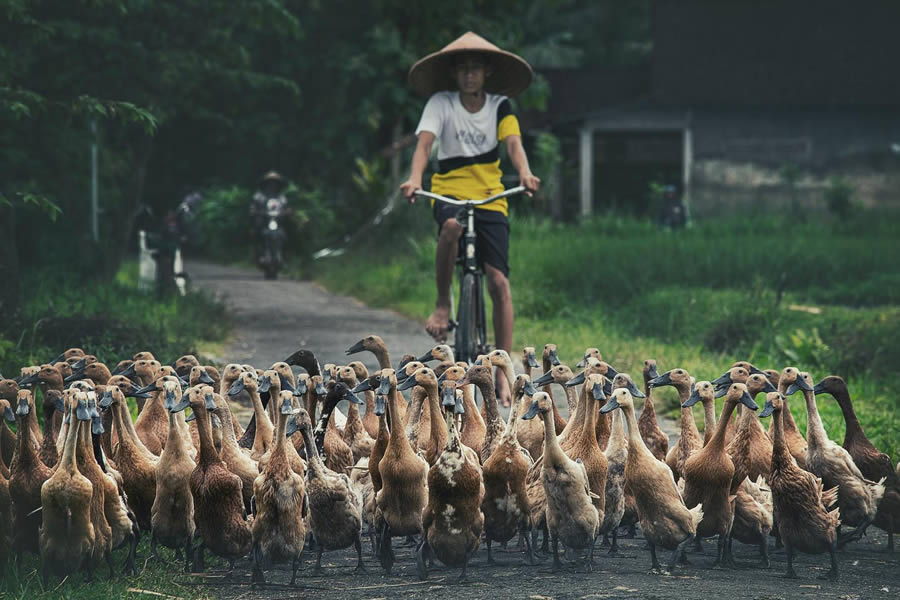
[[470, 73]]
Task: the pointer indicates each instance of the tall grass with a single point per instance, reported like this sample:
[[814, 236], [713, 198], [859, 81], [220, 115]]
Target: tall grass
[[775, 292]]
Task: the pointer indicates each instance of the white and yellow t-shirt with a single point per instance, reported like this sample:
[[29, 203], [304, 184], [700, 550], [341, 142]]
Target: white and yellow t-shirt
[[468, 150]]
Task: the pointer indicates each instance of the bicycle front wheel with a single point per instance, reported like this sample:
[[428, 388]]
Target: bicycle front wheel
[[466, 336]]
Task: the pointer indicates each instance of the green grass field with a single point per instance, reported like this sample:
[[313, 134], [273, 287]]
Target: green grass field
[[824, 298]]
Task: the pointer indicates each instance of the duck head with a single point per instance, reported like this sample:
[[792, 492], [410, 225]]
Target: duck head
[[540, 403], [530, 359]]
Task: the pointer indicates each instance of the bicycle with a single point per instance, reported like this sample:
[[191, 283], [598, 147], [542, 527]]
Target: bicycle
[[470, 328]]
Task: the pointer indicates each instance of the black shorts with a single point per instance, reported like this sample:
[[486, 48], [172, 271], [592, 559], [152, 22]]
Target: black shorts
[[492, 229]]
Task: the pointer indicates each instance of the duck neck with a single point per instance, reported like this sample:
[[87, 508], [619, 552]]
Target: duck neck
[[383, 357], [815, 431], [617, 431], [709, 415], [417, 399], [25, 454], [571, 400], [472, 414], [649, 409], [208, 454], [315, 465], [452, 444], [438, 427], [512, 422], [635, 441], [175, 444], [688, 425], [492, 411], [788, 417], [68, 460], [398, 441], [718, 438], [854, 429], [508, 372], [781, 456], [322, 425], [591, 420], [553, 452], [280, 438]]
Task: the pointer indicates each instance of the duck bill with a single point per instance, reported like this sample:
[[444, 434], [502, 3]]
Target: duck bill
[[302, 387], [81, 411], [721, 391], [597, 391], [190, 417], [291, 427], [448, 396], [635, 392], [320, 389], [610, 406], [529, 389], [722, 380], [146, 390], [754, 371], [428, 356], [30, 380], [532, 411], [205, 378], [384, 386], [379, 405], [170, 399], [803, 385], [76, 375], [578, 379], [97, 425], [363, 386], [60, 405], [58, 359], [180, 406], [747, 401], [9, 415], [553, 357], [406, 384], [610, 371], [106, 399], [23, 408], [792, 389], [351, 397], [237, 387], [692, 400], [265, 382], [532, 361], [767, 410], [768, 387], [286, 406], [664, 379], [652, 373], [545, 379], [355, 348]]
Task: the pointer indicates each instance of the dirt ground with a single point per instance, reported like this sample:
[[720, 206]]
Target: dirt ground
[[275, 318]]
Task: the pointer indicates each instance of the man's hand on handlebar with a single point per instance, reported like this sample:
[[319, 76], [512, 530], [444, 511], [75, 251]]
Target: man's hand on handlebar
[[531, 182], [408, 188]]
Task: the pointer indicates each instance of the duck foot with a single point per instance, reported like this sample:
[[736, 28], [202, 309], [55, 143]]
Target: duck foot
[[421, 568], [409, 542]]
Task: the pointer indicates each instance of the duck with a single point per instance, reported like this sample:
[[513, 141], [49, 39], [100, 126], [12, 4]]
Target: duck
[[559, 374], [437, 440], [505, 506], [708, 473], [690, 440], [616, 454], [272, 384], [586, 447], [571, 516], [67, 536], [335, 507], [262, 440], [236, 459], [50, 381], [375, 345], [530, 433], [665, 520], [403, 493], [355, 435], [280, 502], [27, 475], [751, 449], [7, 416], [370, 482], [481, 376], [218, 502], [134, 461], [452, 521], [858, 498], [152, 423], [172, 512], [799, 499], [753, 521], [872, 463], [5, 516], [338, 456], [576, 419], [473, 428], [706, 394], [369, 418], [655, 438], [550, 360], [795, 440], [9, 391]]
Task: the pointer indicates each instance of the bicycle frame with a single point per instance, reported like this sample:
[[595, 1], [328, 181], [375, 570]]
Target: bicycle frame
[[470, 264]]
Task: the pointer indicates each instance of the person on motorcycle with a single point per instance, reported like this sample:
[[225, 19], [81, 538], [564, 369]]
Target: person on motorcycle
[[268, 200], [468, 112], [271, 186]]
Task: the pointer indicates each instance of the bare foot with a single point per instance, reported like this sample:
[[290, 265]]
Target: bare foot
[[438, 323], [502, 389]]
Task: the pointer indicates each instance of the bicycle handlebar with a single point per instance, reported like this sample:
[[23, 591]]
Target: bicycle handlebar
[[510, 192]]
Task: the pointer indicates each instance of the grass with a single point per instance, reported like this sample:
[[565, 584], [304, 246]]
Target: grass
[[821, 297], [22, 579]]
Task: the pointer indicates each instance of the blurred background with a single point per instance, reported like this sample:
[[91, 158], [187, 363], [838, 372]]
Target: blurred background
[[721, 179]]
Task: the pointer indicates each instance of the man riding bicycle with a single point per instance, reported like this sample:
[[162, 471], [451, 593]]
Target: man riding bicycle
[[468, 112]]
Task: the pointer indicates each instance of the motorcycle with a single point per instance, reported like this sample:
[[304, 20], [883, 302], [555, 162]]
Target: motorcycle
[[270, 256]]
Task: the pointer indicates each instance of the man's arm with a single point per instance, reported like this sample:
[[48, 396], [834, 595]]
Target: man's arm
[[520, 161], [419, 161]]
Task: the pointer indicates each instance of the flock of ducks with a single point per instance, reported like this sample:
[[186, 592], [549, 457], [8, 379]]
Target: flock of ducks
[[432, 468]]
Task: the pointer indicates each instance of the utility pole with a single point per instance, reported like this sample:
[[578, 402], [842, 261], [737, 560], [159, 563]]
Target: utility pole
[[95, 230]]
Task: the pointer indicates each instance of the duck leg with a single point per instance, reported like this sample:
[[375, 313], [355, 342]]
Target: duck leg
[[421, 567], [615, 542], [360, 567], [590, 556], [655, 561], [632, 531], [256, 575], [188, 556], [318, 570], [109, 563], [890, 546], [832, 575], [386, 553], [720, 551], [373, 539], [199, 567], [679, 551], [490, 559], [528, 547], [462, 576], [764, 552], [557, 564], [295, 566], [791, 573]]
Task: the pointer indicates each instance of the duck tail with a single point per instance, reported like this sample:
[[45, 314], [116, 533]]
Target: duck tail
[[834, 517], [829, 496], [697, 513], [877, 489]]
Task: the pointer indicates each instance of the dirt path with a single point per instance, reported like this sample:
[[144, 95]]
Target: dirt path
[[275, 318]]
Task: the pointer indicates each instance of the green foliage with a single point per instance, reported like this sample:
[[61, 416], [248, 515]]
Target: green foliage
[[111, 320], [839, 197], [699, 299]]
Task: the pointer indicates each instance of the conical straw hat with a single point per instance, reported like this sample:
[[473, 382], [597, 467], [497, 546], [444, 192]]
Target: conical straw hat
[[510, 74]]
